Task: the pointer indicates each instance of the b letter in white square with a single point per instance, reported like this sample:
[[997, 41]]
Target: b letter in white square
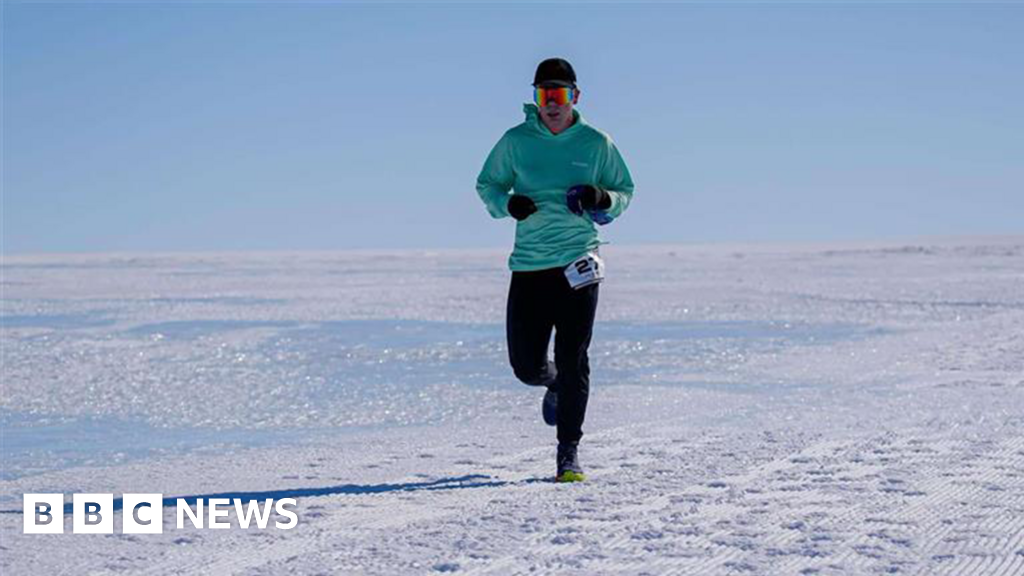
[[143, 514], [93, 514], [44, 513]]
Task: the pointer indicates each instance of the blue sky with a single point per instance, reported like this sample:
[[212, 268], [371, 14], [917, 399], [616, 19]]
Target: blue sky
[[267, 126]]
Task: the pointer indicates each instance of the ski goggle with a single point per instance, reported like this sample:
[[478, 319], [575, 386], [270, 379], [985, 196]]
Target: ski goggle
[[561, 96]]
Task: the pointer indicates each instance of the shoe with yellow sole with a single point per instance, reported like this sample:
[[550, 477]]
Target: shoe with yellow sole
[[568, 463]]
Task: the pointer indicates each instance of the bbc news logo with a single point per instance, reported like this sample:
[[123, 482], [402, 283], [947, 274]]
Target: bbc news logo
[[144, 513]]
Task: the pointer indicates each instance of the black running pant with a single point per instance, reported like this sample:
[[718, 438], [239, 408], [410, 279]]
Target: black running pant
[[537, 303]]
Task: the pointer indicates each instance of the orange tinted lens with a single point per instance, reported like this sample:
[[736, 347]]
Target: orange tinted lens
[[561, 96]]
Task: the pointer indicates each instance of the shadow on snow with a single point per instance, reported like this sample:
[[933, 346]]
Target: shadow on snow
[[466, 481]]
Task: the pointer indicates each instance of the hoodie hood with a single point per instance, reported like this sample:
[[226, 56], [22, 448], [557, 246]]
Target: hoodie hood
[[535, 123]]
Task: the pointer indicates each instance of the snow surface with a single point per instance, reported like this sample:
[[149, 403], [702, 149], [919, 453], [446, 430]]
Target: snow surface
[[839, 409]]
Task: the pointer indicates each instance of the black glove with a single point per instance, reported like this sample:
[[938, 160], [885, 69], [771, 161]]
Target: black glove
[[520, 206], [594, 198]]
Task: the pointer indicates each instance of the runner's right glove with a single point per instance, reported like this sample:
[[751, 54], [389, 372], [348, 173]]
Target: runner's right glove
[[519, 206]]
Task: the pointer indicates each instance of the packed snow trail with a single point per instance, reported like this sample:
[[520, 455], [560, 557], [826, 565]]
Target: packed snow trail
[[807, 410]]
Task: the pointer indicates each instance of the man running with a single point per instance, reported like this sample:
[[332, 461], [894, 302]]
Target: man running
[[564, 176]]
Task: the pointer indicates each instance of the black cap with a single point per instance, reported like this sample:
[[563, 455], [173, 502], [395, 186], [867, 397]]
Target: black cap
[[555, 71]]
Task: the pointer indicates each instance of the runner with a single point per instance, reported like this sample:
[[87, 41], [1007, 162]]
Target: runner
[[564, 176]]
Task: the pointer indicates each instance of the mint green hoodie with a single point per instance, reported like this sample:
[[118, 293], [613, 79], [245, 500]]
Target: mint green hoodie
[[530, 160]]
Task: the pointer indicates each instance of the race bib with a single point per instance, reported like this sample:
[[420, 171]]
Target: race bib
[[585, 270]]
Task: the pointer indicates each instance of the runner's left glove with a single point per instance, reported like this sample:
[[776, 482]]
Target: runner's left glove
[[586, 198]]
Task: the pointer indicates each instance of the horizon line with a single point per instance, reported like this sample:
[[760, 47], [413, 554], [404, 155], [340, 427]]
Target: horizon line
[[880, 241]]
